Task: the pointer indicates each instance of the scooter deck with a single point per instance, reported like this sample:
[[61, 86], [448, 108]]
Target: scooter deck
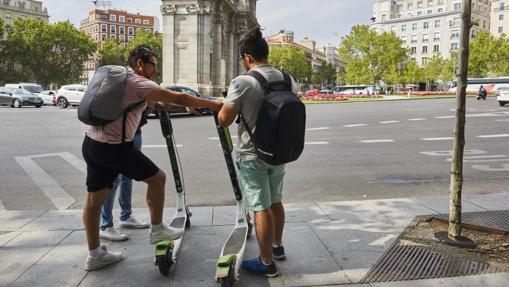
[[178, 222], [236, 241]]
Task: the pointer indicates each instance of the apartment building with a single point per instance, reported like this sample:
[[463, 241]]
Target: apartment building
[[112, 24], [499, 17], [28, 9], [428, 27]]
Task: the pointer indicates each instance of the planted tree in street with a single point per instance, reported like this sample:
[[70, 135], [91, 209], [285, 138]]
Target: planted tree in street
[[433, 69], [53, 53], [291, 60], [112, 53], [488, 56], [371, 57], [412, 73], [325, 75], [456, 183]]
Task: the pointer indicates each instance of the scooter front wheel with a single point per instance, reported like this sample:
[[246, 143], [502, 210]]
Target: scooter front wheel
[[230, 279]]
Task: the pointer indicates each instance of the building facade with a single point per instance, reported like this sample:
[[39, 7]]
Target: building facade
[[28, 9], [499, 17], [315, 55], [112, 24], [200, 42], [428, 27]]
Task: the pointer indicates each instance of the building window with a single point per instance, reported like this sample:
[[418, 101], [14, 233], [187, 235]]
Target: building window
[[113, 18], [436, 36], [424, 60], [455, 21], [414, 38], [457, 6], [129, 20], [440, 10], [501, 17], [130, 38], [113, 29], [403, 38], [502, 6], [424, 49], [384, 17], [104, 28], [146, 22], [403, 28], [393, 29], [454, 46], [121, 19], [414, 50], [425, 38], [103, 37], [437, 23], [425, 25], [455, 34], [130, 31], [137, 21], [436, 48], [500, 29], [121, 30], [414, 26], [429, 11], [113, 36], [121, 38], [419, 13]]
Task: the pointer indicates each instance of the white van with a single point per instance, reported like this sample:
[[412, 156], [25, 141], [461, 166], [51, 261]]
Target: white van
[[33, 88]]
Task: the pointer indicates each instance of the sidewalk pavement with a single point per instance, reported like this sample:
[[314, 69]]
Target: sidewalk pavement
[[327, 244]]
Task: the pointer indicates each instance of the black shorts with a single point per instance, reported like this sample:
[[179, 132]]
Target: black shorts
[[106, 161]]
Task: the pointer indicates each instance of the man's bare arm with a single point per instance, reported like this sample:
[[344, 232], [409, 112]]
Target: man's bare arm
[[227, 115], [181, 99]]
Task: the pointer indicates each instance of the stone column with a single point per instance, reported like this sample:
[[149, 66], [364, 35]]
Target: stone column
[[168, 12]]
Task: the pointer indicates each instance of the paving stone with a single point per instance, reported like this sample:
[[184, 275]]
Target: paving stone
[[14, 220], [441, 204], [24, 251], [224, 215], [57, 220], [6, 236], [303, 212], [62, 266]]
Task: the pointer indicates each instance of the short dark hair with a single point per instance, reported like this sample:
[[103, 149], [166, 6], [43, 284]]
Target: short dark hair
[[143, 52], [253, 44]]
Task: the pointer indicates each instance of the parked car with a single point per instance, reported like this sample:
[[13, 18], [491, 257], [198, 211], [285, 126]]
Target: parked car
[[502, 95], [17, 98], [70, 95], [182, 110], [33, 88], [49, 97]]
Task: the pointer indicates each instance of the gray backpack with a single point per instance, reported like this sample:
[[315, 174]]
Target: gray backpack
[[102, 102]]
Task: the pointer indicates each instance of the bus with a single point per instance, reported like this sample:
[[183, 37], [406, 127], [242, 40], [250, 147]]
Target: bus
[[490, 84], [354, 90]]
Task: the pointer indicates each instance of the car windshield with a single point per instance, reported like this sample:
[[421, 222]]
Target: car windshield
[[21, 91], [33, 88]]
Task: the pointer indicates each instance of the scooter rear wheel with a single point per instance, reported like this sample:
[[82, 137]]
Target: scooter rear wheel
[[165, 263], [230, 279]]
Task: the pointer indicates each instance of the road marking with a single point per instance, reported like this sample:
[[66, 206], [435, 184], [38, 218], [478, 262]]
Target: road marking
[[449, 153], [316, 143], [504, 167], [494, 136], [159, 146], [60, 198], [437, 139], [378, 141], [445, 117], [78, 163], [318, 129], [484, 158], [217, 138], [389, 122], [382, 241], [504, 120], [417, 119], [354, 125]]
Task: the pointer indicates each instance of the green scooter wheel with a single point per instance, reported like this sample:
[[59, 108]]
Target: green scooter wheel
[[165, 263], [230, 279]]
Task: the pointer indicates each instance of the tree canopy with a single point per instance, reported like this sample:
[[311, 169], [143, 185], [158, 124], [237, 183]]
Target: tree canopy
[[291, 60]]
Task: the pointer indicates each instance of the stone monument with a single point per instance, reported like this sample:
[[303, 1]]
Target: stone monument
[[200, 42]]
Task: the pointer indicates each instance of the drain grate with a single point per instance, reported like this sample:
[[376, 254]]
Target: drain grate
[[412, 262], [497, 220]]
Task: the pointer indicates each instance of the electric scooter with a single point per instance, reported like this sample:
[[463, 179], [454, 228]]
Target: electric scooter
[[167, 251], [228, 264]]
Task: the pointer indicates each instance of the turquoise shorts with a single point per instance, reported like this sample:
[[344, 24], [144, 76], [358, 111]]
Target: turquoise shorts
[[261, 183]]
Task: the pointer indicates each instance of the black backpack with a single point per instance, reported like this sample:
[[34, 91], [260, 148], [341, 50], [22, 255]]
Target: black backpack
[[281, 125]]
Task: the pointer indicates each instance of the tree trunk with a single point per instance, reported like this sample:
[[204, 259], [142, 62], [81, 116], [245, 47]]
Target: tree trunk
[[456, 185]]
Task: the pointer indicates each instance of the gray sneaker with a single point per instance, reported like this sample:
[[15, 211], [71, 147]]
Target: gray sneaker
[[96, 262], [112, 234], [132, 222], [166, 233]]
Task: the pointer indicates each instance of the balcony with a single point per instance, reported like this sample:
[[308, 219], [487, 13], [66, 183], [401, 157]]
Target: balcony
[[33, 10]]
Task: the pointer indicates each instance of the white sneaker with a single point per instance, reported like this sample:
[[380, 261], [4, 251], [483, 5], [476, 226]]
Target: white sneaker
[[132, 222], [166, 233], [106, 258], [111, 233]]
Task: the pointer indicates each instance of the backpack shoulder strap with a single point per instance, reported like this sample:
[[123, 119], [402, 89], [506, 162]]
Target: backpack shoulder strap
[[288, 80], [127, 110], [261, 80]]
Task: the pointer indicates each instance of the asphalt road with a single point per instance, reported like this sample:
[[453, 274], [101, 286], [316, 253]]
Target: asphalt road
[[355, 151]]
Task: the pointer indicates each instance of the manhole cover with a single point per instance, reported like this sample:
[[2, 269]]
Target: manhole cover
[[412, 262], [497, 220]]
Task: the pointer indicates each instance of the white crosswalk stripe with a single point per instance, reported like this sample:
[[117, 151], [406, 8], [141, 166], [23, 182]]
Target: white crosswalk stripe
[[316, 143], [58, 196], [354, 125], [417, 119], [378, 141], [389, 122], [494, 136], [438, 139], [2, 207], [318, 129]]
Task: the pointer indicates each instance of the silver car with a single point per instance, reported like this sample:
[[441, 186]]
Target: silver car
[[17, 98]]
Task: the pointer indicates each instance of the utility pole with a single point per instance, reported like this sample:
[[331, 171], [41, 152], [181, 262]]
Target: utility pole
[[456, 184]]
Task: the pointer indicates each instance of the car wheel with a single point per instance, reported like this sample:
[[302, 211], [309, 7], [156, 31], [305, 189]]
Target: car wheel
[[501, 104], [38, 106], [16, 103], [62, 103]]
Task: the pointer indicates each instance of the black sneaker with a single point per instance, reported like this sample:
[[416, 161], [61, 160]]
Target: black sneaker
[[278, 253], [256, 266]]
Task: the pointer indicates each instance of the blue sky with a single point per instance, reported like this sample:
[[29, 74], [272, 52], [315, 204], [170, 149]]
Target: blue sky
[[322, 20]]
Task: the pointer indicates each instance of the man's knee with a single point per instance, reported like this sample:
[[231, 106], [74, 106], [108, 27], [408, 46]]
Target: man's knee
[[96, 199], [157, 180]]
